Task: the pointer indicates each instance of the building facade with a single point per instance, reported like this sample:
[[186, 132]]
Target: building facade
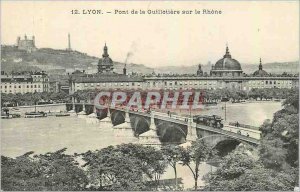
[[28, 83], [226, 73]]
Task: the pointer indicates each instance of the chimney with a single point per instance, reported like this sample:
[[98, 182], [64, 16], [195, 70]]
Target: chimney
[[18, 40], [33, 39], [69, 42]]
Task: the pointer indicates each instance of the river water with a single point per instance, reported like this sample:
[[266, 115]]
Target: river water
[[42, 135]]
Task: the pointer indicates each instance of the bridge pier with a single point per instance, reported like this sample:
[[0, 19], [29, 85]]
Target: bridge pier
[[107, 119], [92, 118], [73, 111], [192, 132], [82, 113], [150, 137], [124, 129]]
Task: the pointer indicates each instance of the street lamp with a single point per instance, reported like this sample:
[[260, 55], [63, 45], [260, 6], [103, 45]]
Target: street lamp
[[225, 99]]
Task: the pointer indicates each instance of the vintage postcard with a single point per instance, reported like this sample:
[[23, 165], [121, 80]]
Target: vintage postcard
[[149, 95]]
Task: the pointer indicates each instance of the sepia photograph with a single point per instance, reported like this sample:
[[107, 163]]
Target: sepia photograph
[[149, 95]]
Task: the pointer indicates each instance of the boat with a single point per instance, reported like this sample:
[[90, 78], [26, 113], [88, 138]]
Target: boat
[[6, 116], [210, 103], [35, 114], [62, 114]]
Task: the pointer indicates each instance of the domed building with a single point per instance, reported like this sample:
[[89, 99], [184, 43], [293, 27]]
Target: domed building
[[227, 66], [105, 64], [260, 72]]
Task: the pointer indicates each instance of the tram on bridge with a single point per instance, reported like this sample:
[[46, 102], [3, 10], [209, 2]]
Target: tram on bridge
[[209, 120]]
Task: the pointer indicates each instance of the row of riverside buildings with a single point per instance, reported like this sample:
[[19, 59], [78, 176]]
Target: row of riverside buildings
[[25, 83], [226, 73]]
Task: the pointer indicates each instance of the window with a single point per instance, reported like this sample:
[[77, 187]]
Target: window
[[132, 83], [34, 86], [165, 83], [19, 86], [175, 82], [267, 82]]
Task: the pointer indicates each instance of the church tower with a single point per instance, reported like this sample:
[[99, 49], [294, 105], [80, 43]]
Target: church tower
[[199, 71], [124, 69], [105, 64]]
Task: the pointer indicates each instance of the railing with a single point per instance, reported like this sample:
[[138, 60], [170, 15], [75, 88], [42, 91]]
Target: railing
[[229, 134], [243, 125]]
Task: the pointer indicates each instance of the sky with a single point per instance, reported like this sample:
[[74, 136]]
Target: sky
[[265, 29]]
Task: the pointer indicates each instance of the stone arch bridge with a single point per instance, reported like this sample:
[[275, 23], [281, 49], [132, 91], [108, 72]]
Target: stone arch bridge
[[156, 126]]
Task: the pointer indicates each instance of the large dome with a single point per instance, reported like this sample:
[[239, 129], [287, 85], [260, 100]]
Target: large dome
[[227, 63]]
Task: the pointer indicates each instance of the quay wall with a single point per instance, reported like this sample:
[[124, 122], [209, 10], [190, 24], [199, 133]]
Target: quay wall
[[46, 108]]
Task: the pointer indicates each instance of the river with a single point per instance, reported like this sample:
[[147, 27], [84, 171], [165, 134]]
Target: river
[[42, 135]]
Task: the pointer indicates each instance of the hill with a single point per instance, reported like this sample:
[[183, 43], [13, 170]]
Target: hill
[[62, 61]]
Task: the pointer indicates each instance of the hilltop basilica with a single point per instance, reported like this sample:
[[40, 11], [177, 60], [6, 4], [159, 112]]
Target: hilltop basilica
[[226, 73]]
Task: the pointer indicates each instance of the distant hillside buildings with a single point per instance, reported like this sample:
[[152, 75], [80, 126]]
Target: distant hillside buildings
[[226, 73], [26, 44]]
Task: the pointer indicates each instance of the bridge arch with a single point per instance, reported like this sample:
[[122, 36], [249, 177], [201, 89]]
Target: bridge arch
[[223, 144], [171, 132], [140, 125]]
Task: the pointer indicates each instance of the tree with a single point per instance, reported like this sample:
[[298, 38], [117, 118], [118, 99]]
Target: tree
[[231, 167], [21, 174], [280, 137], [199, 152], [239, 171], [153, 162], [46, 172], [61, 172], [173, 155], [124, 167]]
